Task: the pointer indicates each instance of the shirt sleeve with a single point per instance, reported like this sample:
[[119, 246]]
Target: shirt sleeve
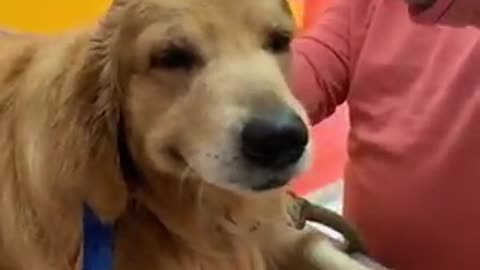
[[321, 62], [457, 13]]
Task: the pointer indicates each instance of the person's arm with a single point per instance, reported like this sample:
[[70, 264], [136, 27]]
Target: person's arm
[[456, 13], [321, 62]]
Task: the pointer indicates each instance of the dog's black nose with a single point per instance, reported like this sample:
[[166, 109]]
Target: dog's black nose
[[274, 142]]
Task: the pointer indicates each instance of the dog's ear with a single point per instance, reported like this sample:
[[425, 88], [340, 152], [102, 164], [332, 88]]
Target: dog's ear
[[96, 114]]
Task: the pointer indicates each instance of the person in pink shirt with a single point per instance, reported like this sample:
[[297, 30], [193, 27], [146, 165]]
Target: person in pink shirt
[[449, 12], [412, 181]]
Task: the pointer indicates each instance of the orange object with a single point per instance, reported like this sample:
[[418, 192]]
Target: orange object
[[50, 16], [58, 15], [306, 12], [298, 9]]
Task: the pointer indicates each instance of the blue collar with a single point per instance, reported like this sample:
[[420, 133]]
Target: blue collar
[[98, 242]]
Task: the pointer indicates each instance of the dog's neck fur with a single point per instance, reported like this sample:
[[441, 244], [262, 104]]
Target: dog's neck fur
[[206, 217], [194, 222]]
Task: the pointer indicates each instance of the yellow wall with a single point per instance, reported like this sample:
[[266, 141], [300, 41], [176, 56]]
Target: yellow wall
[[298, 7], [50, 15]]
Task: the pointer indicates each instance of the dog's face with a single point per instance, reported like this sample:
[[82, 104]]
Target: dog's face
[[207, 91]]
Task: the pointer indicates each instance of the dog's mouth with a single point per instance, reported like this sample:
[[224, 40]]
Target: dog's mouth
[[177, 159], [264, 154], [230, 172], [175, 156]]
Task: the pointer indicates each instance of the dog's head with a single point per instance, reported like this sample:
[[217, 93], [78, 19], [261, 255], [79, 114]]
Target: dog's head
[[205, 90]]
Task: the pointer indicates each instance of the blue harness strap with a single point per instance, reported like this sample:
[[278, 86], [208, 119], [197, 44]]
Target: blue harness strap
[[98, 242]]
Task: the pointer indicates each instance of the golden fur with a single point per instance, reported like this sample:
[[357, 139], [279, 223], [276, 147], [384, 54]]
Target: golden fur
[[85, 119]]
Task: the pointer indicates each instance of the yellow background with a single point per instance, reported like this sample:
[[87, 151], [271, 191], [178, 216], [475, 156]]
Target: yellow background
[[50, 16], [298, 8]]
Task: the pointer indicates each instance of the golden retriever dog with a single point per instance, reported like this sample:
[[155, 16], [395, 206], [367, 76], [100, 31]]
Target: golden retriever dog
[[172, 119]]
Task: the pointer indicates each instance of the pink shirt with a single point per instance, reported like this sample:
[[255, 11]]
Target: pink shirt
[[450, 12], [413, 175]]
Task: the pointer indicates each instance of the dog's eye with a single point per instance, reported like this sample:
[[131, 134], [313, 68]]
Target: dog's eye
[[175, 57], [278, 41]]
